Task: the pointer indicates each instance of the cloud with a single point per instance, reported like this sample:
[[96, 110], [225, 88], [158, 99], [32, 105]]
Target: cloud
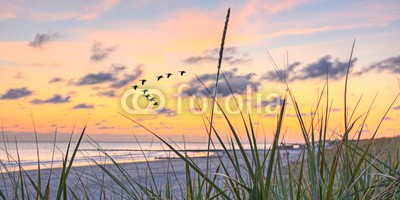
[[336, 69], [100, 125], [391, 64], [238, 83], [117, 68], [96, 78], [316, 70], [251, 75], [273, 101], [41, 39], [99, 52], [127, 78], [100, 122], [259, 7], [7, 16], [396, 107], [16, 93], [336, 110], [231, 56], [83, 106], [42, 10], [19, 75], [277, 75], [269, 16], [117, 75], [109, 93], [106, 127], [388, 118], [55, 80], [168, 112], [56, 99]]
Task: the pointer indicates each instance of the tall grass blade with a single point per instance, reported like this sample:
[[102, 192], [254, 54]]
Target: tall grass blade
[[275, 146], [221, 54]]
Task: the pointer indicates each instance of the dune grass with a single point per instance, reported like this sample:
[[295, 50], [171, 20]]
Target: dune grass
[[351, 169]]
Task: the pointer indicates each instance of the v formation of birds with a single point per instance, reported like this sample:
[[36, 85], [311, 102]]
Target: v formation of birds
[[146, 91]]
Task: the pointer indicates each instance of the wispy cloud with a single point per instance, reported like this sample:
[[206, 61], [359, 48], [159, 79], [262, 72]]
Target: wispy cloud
[[96, 78], [101, 125], [19, 75], [117, 68], [99, 52], [389, 65], [231, 56], [257, 11], [257, 7], [117, 76], [56, 99], [280, 74], [7, 16], [98, 8], [316, 70], [320, 17], [106, 127], [325, 65], [100, 122], [8, 10], [42, 10], [83, 106], [273, 101], [168, 112], [109, 93], [238, 83], [388, 119], [127, 78], [41, 39], [396, 107], [55, 80], [16, 93]]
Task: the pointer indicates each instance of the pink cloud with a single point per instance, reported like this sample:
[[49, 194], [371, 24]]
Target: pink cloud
[[372, 13], [259, 8], [43, 11], [258, 19], [8, 10], [7, 16], [95, 11]]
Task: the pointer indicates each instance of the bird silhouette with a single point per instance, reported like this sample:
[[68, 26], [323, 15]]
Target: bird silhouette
[[152, 99], [155, 103], [147, 96], [143, 81], [182, 72], [159, 77], [145, 90], [135, 87], [168, 74]]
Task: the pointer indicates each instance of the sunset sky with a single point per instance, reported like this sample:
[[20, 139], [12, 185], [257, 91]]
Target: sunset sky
[[67, 62]]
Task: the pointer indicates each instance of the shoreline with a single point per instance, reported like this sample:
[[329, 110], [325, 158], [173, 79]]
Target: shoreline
[[93, 178], [87, 161]]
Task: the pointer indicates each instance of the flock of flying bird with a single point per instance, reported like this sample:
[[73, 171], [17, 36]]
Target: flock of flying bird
[[146, 91]]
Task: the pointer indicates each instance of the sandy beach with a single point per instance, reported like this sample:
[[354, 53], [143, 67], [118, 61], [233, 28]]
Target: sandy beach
[[92, 181]]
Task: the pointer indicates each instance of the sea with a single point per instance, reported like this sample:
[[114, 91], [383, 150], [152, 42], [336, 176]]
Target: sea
[[51, 155]]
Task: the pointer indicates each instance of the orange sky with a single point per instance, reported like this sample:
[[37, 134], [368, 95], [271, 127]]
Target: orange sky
[[70, 62]]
